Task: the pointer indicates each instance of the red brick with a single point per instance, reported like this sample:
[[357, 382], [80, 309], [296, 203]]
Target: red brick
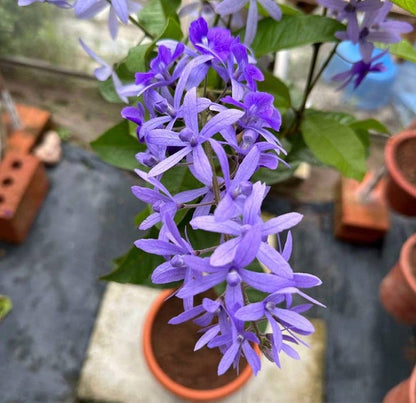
[[358, 221], [34, 121], [23, 187]]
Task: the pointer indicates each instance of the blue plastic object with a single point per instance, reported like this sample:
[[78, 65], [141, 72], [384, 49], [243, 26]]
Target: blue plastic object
[[376, 89], [404, 93]]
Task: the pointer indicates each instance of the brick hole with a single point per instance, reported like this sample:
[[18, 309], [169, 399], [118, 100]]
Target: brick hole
[[7, 181], [1, 199], [16, 164]]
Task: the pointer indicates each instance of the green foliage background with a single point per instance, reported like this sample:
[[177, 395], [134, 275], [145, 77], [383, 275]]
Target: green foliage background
[[32, 32]]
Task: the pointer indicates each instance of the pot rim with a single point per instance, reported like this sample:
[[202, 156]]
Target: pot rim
[[389, 155], [405, 262], [174, 387], [412, 386]]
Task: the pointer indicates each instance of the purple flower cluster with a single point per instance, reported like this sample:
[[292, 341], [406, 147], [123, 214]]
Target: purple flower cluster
[[222, 135], [119, 10], [374, 27]]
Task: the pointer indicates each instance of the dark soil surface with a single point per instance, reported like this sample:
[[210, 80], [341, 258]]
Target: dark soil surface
[[174, 351]]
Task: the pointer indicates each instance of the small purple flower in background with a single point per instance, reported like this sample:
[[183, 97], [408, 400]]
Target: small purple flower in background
[[57, 3], [348, 11], [121, 9], [106, 71], [374, 26], [227, 7], [359, 71]]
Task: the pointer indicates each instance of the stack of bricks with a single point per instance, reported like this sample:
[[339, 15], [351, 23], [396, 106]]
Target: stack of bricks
[[23, 179]]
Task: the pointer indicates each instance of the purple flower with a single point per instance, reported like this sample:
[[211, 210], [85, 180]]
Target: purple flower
[[238, 188], [163, 203], [87, 9], [190, 139], [359, 71], [374, 28], [241, 342], [259, 111], [105, 71], [244, 71], [282, 318], [250, 235], [159, 74], [135, 115], [232, 6], [348, 11], [179, 127], [57, 3], [213, 41]]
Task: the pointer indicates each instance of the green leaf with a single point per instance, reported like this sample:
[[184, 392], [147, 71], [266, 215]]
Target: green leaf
[[171, 30], [108, 91], [202, 239], [170, 8], [117, 147], [106, 87], [290, 10], [277, 88], [369, 124], [404, 49], [136, 267], [5, 306], [409, 5], [278, 175], [335, 144], [136, 58], [292, 31], [152, 17], [142, 215], [285, 8], [340, 117]]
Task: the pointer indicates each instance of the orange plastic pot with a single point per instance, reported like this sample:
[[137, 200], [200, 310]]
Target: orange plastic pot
[[404, 392], [398, 288], [399, 155], [168, 383]]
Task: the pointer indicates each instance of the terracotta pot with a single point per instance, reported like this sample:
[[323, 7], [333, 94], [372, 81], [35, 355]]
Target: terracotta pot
[[398, 288], [401, 180], [404, 392], [166, 381]]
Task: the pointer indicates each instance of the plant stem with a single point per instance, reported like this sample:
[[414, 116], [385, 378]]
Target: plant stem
[[308, 88], [323, 67], [197, 205], [206, 250], [215, 186], [247, 301], [140, 25], [310, 84]]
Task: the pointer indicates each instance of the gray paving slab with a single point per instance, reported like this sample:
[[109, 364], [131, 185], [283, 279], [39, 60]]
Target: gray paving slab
[[52, 279]]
